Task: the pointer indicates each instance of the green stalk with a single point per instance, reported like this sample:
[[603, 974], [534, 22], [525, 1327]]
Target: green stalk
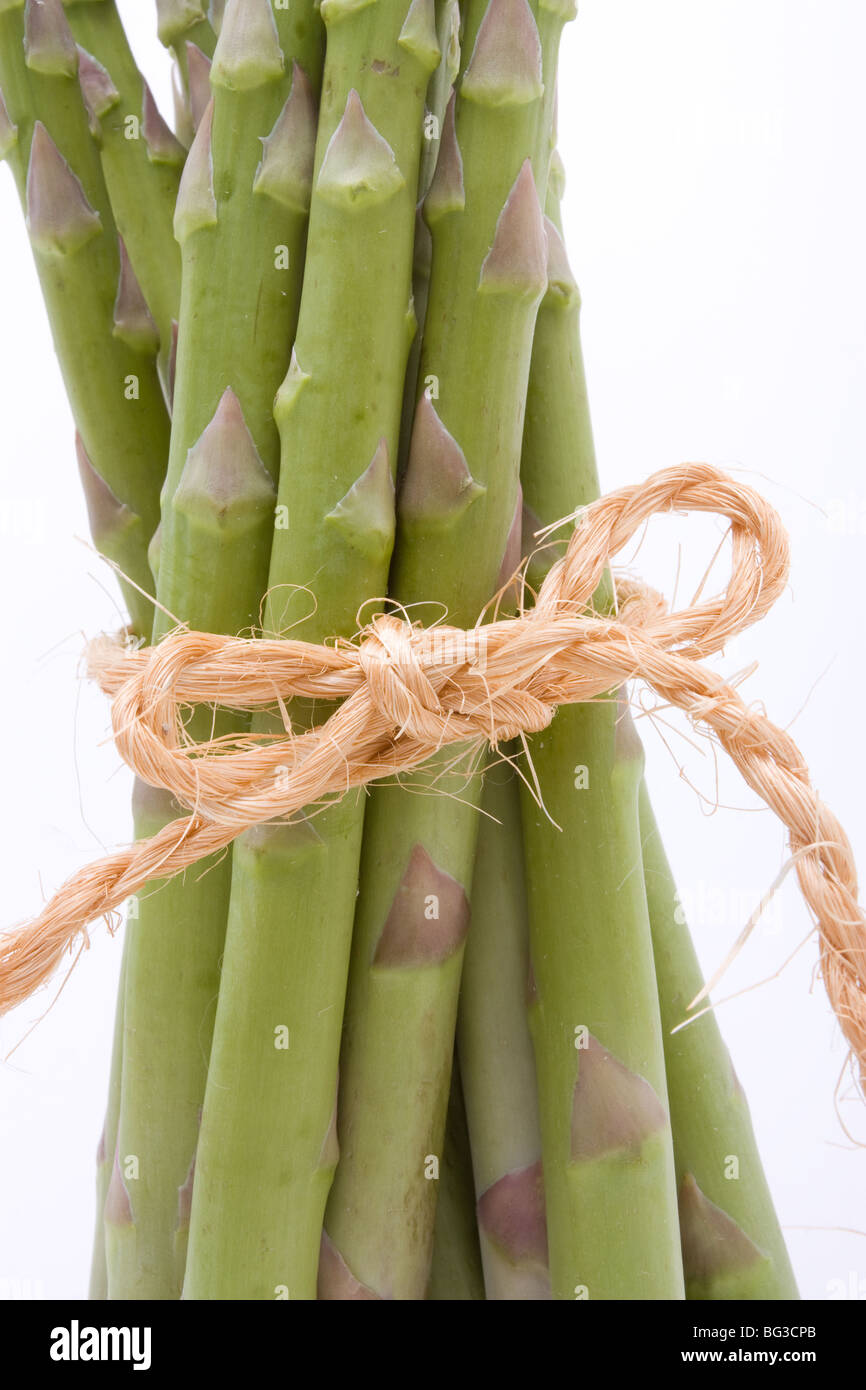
[[731, 1241], [141, 161], [456, 516], [103, 335], [455, 1270], [241, 222], [268, 1144], [438, 95], [606, 1143], [106, 1148], [496, 1057]]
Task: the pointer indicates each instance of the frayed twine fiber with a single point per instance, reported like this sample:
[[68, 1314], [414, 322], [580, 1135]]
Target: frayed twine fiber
[[409, 691]]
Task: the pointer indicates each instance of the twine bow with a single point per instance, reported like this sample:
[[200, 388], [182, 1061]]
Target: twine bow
[[408, 691]]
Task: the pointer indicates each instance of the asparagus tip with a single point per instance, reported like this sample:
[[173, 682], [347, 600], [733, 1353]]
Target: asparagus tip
[[336, 1280], [196, 205], [97, 88], [198, 73], [505, 66], [359, 168], [366, 513], [437, 484], [8, 129], [248, 52], [446, 192], [59, 217], [224, 480], [285, 172], [133, 322], [49, 47], [613, 1109], [163, 146], [712, 1242], [511, 1214], [517, 261], [428, 919], [418, 35]]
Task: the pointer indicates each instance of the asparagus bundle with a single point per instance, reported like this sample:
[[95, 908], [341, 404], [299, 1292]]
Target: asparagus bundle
[[311, 1094]]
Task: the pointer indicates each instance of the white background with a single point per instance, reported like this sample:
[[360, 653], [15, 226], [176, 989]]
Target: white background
[[715, 217]]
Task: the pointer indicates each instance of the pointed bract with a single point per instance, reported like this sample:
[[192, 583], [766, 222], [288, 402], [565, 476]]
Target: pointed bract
[[713, 1244], [556, 177], [366, 513], [336, 1280], [118, 1208], [133, 323], [613, 1109], [329, 1154], [561, 283], [563, 9], [505, 67], [109, 518], [248, 52], [49, 47], [196, 205], [293, 383], [184, 128], [174, 17], [446, 192], [286, 169], [184, 1198], [418, 35], [163, 146], [437, 485], [8, 131], [512, 554], [359, 168], [59, 217], [154, 551], [511, 1214], [428, 919], [198, 78], [224, 479], [332, 11], [215, 11], [97, 88], [517, 261]]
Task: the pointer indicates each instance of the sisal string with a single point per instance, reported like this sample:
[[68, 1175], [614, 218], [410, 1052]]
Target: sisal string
[[407, 691]]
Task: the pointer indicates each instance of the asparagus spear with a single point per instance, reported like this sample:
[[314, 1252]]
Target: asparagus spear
[[267, 1146], [183, 22], [141, 161], [496, 1056], [456, 512], [240, 218], [493, 1027], [455, 1270], [731, 1242], [98, 320], [606, 1143]]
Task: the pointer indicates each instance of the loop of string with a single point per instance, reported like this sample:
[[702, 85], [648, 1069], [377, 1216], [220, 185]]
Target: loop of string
[[407, 691]]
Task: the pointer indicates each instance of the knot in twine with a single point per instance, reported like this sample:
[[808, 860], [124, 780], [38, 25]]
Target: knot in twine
[[408, 691]]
